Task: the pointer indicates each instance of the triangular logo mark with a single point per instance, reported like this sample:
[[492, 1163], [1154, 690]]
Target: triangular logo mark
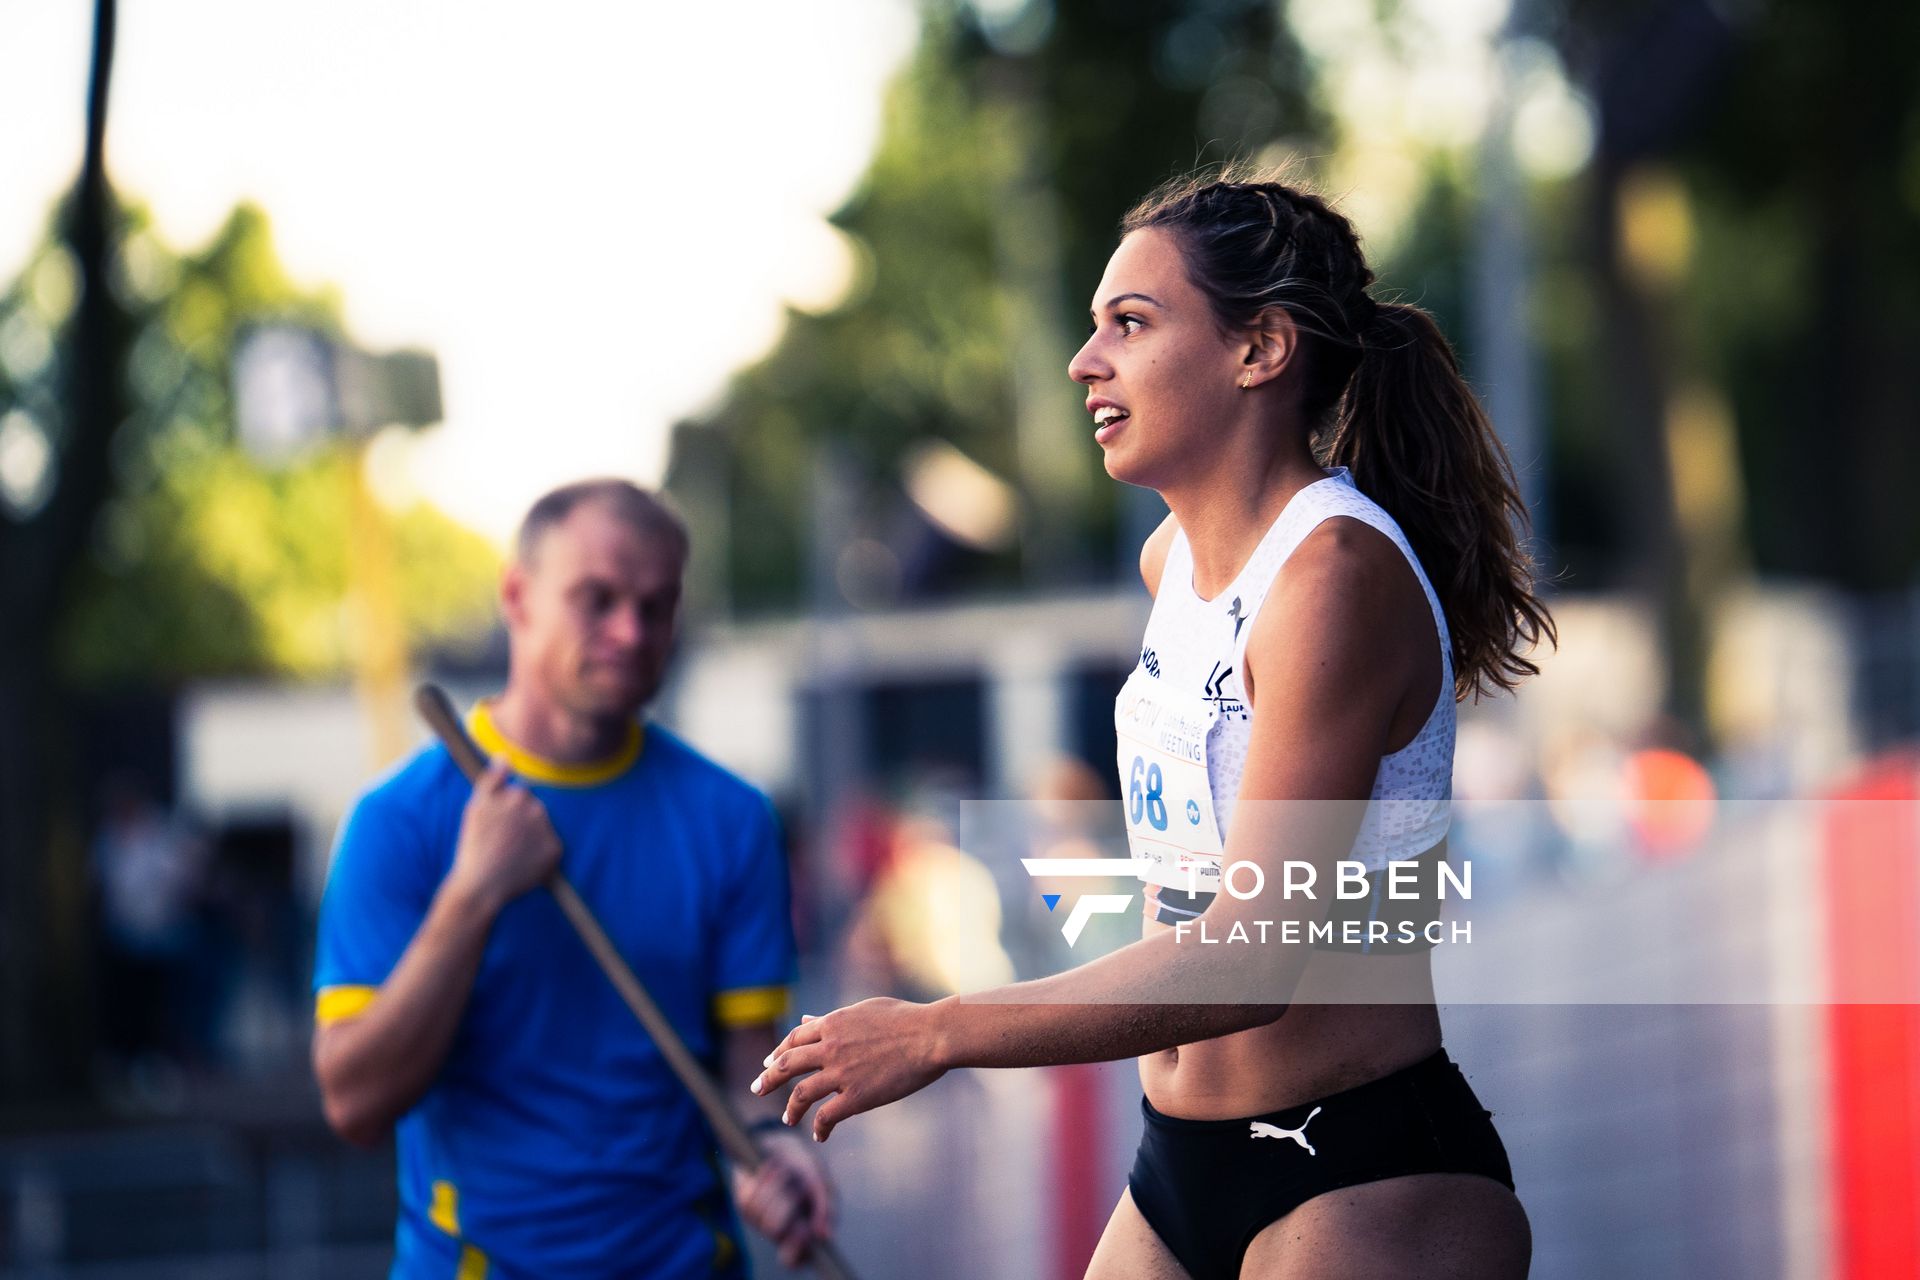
[[1051, 899]]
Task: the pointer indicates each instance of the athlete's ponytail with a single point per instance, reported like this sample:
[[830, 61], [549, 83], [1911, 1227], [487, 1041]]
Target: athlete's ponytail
[[1419, 444], [1382, 396]]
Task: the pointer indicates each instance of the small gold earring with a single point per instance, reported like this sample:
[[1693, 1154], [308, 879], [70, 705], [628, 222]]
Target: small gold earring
[[1246, 383]]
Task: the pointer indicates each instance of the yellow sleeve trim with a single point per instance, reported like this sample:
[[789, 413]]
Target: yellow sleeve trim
[[336, 1004], [749, 1006]]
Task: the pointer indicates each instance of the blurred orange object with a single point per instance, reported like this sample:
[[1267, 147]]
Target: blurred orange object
[[1670, 801]]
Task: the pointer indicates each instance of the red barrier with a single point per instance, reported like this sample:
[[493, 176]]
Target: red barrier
[[1873, 932], [1074, 1159]]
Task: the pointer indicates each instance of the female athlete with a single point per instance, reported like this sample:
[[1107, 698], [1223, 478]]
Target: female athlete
[[1340, 566]]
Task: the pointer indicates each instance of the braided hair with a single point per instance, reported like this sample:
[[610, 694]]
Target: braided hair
[[1381, 394]]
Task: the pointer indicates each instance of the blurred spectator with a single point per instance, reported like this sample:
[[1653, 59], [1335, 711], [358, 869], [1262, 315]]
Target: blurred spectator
[[251, 998], [1500, 824], [1073, 814], [930, 927], [149, 868]]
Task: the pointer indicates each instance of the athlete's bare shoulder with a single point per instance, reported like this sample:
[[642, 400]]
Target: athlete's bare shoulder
[[1347, 594], [1153, 553]]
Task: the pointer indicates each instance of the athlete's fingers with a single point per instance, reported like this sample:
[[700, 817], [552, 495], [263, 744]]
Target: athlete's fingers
[[782, 1067], [832, 1112], [804, 1095], [808, 1032]]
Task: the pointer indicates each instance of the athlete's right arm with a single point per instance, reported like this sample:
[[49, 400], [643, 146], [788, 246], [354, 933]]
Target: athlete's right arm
[[376, 1064]]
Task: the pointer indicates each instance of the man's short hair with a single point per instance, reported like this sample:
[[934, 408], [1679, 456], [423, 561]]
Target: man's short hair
[[646, 513]]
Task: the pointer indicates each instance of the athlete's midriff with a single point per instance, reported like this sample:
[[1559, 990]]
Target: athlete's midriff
[[1320, 1045]]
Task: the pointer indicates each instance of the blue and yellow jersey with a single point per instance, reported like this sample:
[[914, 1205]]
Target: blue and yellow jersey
[[556, 1142]]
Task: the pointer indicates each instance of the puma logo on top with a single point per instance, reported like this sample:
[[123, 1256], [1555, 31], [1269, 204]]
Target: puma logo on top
[[1298, 1135]]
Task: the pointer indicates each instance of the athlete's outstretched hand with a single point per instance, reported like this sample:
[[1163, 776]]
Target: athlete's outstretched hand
[[857, 1058]]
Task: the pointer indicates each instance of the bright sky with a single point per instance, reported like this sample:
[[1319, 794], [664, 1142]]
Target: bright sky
[[591, 212]]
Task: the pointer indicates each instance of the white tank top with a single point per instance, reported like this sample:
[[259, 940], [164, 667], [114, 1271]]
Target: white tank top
[[1184, 721]]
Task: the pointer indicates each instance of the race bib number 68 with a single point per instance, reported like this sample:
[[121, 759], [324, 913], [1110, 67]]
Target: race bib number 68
[[1172, 833]]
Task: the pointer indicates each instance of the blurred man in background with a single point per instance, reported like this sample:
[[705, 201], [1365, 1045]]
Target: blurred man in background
[[150, 869], [540, 1130]]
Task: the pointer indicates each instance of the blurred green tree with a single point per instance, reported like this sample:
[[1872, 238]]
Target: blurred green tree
[[158, 550], [54, 472], [205, 562], [981, 228], [1732, 390], [1720, 296], [1803, 168], [200, 560]]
